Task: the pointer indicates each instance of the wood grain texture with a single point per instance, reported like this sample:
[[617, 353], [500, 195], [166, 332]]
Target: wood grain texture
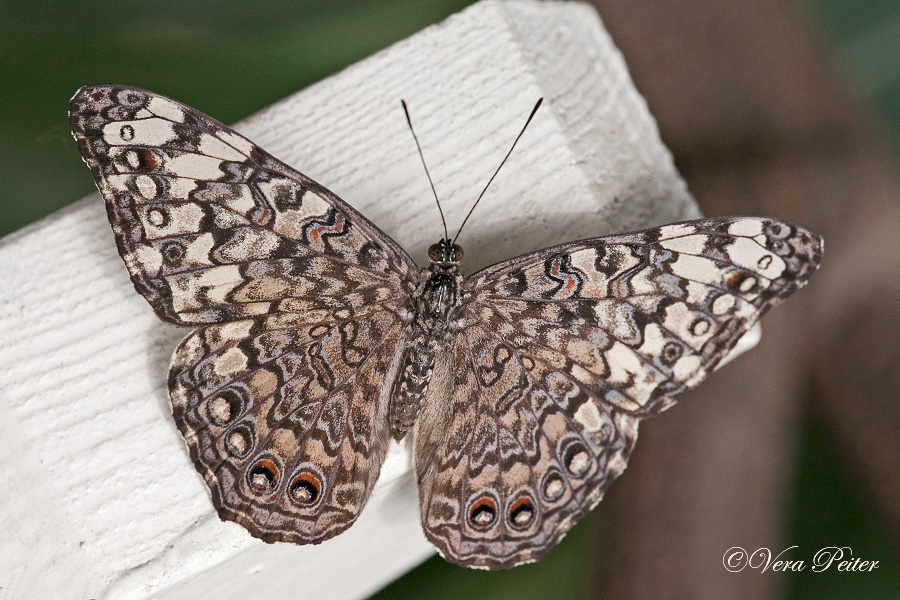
[[101, 485]]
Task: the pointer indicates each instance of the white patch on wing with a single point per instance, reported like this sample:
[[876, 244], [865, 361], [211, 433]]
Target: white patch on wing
[[588, 416], [696, 268], [181, 187], [144, 259], [170, 220], [133, 159], [146, 186], [243, 145], [594, 285], [723, 304], [198, 251], [696, 292], [745, 310], [679, 318], [214, 283], [676, 230], [117, 183], [237, 330], [691, 244], [615, 317], [290, 222], [256, 308], [746, 227], [249, 244], [753, 257], [687, 367], [616, 464], [147, 132], [195, 166], [654, 340], [213, 146], [242, 203], [587, 358], [582, 374], [165, 108], [641, 284], [625, 365]]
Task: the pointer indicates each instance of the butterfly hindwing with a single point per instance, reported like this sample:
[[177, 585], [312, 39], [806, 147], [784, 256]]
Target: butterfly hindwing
[[285, 417], [510, 467], [564, 350], [279, 395]]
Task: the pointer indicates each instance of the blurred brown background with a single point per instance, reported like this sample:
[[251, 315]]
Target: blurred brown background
[[759, 123], [786, 108]]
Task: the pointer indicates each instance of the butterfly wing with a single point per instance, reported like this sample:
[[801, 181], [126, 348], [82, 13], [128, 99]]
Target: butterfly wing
[[278, 395], [562, 351], [213, 228], [285, 417]]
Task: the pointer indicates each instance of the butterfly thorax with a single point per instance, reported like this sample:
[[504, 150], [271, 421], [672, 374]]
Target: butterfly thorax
[[430, 323]]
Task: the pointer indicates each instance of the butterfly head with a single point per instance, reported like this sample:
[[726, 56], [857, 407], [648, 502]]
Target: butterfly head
[[445, 253]]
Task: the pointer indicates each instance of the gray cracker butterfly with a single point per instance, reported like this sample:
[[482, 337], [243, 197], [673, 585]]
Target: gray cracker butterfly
[[319, 339]]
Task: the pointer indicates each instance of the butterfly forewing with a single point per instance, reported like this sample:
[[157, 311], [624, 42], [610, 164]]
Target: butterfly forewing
[[280, 398], [212, 228], [564, 350]]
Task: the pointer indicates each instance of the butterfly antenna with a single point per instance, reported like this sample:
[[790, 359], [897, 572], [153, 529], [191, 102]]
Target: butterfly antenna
[[471, 210], [427, 174]]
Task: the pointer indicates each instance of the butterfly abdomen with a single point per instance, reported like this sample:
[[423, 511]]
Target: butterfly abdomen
[[429, 332]]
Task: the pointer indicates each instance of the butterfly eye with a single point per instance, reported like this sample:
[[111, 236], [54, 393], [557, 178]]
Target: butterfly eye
[[306, 488], [483, 513], [553, 486], [225, 407], [778, 230], [741, 282], [521, 512], [671, 352], [263, 476], [239, 442], [457, 253], [126, 132], [173, 253], [699, 326], [158, 217], [577, 459], [435, 252]]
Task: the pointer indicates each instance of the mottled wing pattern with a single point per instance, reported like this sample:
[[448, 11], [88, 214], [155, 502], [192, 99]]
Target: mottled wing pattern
[[279, 395], [561, 353], [212, 228], [285, 416], [505, 468]]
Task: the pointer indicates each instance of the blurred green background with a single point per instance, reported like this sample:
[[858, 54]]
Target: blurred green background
[[232, 58]]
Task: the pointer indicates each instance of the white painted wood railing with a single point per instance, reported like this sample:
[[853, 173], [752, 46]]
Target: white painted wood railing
[[98, 496]]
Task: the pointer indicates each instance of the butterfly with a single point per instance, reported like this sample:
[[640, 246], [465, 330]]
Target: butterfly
[[318, 339]]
